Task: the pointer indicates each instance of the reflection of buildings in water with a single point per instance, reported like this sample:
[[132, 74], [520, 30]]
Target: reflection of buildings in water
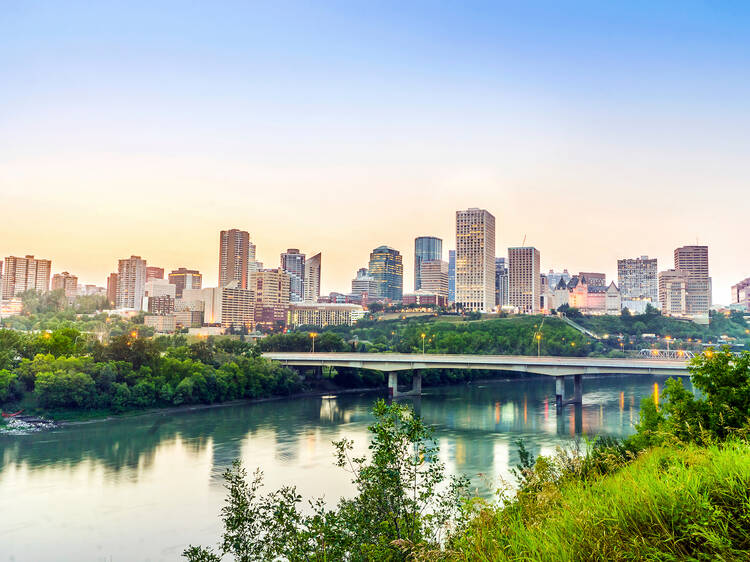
[[474, 453], [331, 411]]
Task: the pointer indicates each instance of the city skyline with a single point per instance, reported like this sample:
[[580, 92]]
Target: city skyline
[[626, 123]]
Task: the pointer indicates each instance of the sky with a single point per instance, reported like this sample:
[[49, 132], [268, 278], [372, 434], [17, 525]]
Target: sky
[[594, 130]]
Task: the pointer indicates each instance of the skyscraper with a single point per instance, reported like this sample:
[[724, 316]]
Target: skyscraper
[[435, 277], [25, 274], [694, 260], [426, 248], [271, 296], [234, 252], [153, 272], [363, 284], [112, 289], [451, 275], [638, 279], [131, 282], [524, 279], [475, 260], [293, 264], [185, 279], [312, 278], [501, 282], [387, 270]]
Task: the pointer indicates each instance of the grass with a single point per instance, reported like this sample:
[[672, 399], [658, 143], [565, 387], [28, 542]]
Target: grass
[[673, 503]]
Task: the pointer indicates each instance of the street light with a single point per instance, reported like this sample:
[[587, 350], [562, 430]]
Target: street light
[[423, 337], [313, 335], [134, 334]]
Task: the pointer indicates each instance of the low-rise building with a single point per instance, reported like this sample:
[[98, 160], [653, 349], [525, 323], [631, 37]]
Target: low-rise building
[[424, 298], [162, 323], [322, 314]]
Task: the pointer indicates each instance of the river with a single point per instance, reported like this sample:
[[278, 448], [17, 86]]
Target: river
[[143, 488]]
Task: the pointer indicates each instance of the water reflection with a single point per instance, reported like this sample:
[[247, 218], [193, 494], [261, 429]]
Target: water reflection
[[158, 478]]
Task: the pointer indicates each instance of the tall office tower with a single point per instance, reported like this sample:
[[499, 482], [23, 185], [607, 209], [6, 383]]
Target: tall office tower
[[364, 284], [25, 274], [1, 279], [185, 279], [153, 272], [594, 279], [131, 282], [435, 277], [673, 292], [66, 282], [271, 297], [426, 248], [524, 279], [638, 279], [475, 260], [451, 275], [501, 282], [234, 252], [112, 289], [312, 278], [387, 269], [694, 260], [293, 264], [252, 263]]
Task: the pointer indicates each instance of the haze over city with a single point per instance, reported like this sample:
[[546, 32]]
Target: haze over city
[[596, 132]]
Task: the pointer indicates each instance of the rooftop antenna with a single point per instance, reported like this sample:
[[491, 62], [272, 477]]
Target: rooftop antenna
[[524, 241]]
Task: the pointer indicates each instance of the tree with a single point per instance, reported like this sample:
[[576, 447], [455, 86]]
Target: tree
[[396, 510]]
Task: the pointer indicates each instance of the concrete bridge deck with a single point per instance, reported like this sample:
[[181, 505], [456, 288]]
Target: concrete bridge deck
[[558, 367]]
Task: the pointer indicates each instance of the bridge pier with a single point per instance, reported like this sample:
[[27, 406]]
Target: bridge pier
[[560, 391], [416, 385]]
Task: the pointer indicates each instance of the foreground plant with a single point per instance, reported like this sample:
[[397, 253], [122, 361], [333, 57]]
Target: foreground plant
[[397, 510]]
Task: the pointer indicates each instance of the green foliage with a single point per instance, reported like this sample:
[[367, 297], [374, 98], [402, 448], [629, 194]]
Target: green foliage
[[396, 512], [686, 503], [10, 386]]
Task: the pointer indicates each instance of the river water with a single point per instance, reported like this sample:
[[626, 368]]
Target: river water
[[143, 488]]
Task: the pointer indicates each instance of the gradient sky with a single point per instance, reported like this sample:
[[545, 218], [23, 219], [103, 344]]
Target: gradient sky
[[599, 130]]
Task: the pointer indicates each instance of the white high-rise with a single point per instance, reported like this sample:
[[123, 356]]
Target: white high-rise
[[131, 282], [475, 260]]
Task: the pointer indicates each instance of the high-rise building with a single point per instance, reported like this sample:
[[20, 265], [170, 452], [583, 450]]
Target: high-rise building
[[25, 274], [451, 275], [694, 260], [228, 307], [638, 279], [387, 270], [183, 278], [66, 282], [673, 291], [153, 272], [475, 260], [741, 294], [112, 289], [234, 255], [501, 282], [293, 264], [434, 277], [271, 297], [312, 278], [524, 279], [426, 248], [364, 285], [131, 283]]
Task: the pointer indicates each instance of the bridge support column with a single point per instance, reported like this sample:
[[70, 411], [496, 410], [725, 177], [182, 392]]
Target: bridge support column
[[392, 385], [577, 389], [559, 392], [416, 383]]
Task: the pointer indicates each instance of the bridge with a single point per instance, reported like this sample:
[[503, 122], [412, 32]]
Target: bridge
[[558, 367]]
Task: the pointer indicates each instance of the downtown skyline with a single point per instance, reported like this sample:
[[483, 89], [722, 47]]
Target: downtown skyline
[[597, 132]]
